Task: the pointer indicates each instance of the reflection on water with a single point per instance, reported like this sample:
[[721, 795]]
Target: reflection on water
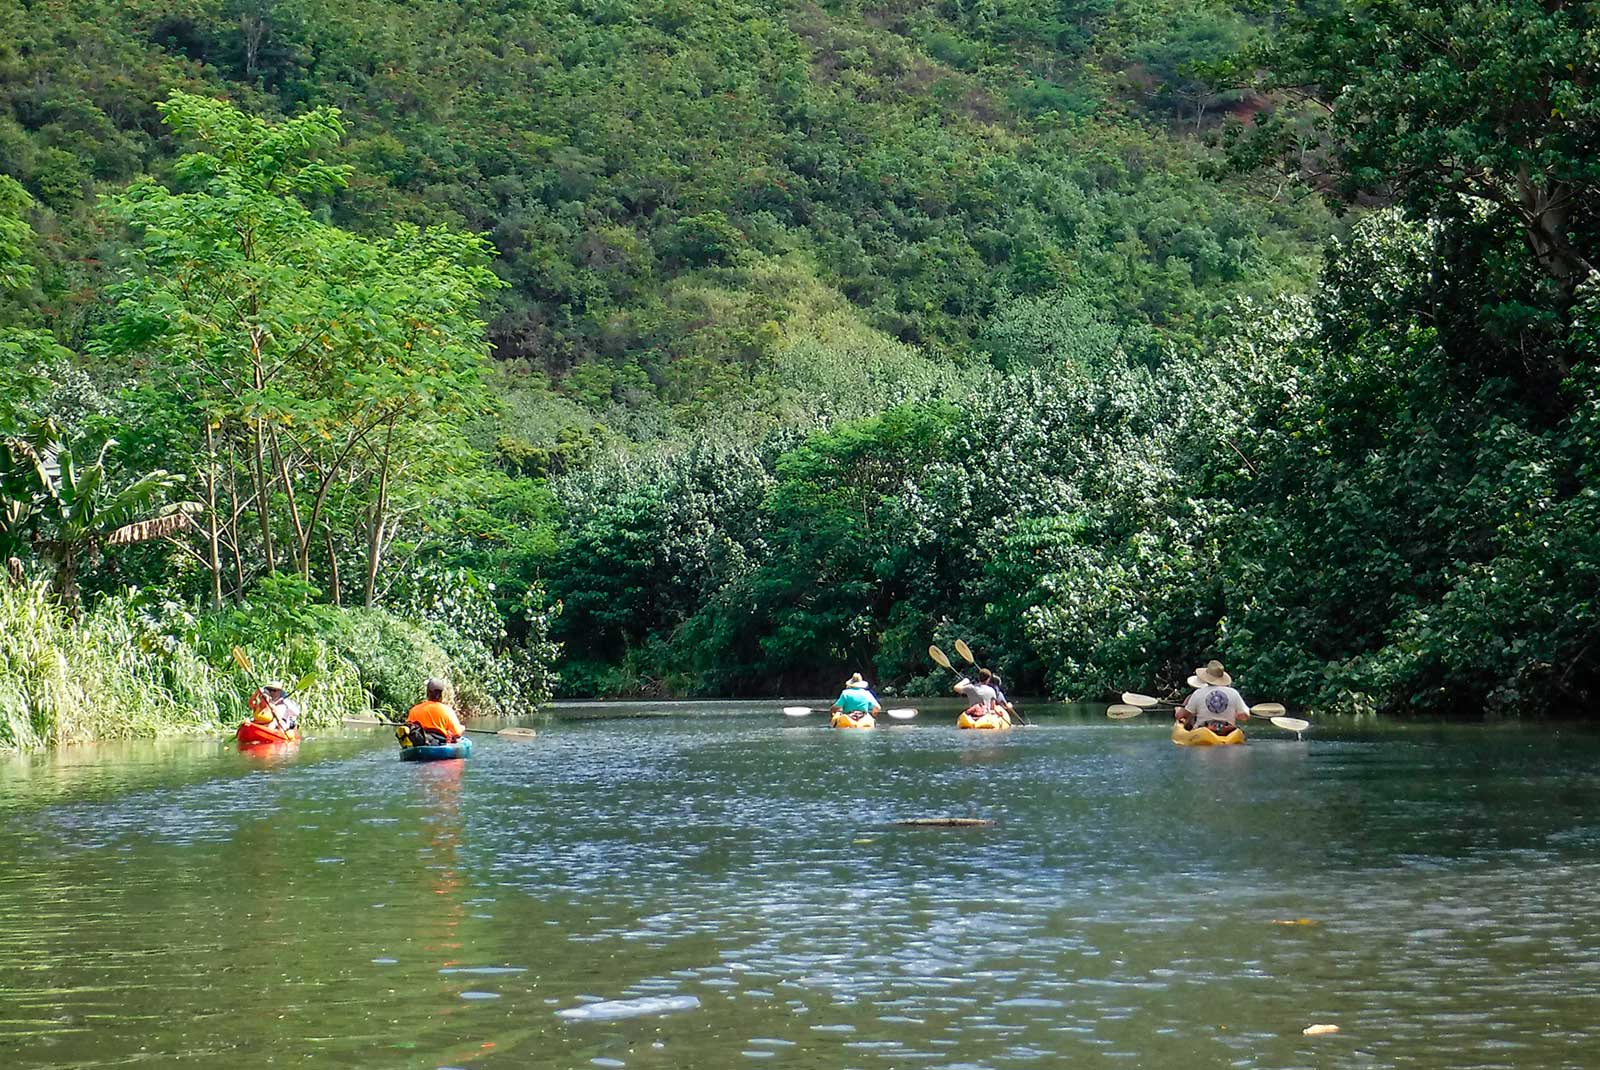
[[726, 889]]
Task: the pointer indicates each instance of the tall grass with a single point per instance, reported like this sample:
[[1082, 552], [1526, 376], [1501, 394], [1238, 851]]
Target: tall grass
[[121, 673]]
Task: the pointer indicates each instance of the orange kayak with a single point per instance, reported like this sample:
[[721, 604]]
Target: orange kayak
[[250, 733]]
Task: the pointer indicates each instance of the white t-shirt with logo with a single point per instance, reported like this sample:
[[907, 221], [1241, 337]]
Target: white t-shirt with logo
[[1222, 704]]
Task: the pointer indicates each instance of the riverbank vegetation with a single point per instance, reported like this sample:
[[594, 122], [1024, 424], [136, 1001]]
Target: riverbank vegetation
[[735, 345]]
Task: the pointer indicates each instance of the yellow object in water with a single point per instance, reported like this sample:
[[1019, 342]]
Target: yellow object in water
[[844, 720], [1204, 737], [992, 722]]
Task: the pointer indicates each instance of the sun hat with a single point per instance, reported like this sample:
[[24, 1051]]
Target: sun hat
[[1194, 681], [273, 685], [435, 684], [855, 681], [1213, 674]]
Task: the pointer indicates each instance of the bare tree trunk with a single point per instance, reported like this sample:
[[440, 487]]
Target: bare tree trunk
[[234, 512], [263, 491], [380, 514], [333, 566], [302, 537], [213, 538]]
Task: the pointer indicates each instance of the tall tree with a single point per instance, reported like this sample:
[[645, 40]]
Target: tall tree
[[315, 360]]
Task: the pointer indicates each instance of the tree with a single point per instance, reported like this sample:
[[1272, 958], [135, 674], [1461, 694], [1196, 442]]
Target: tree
[[65, 504], [317, 363], [1477, 116]]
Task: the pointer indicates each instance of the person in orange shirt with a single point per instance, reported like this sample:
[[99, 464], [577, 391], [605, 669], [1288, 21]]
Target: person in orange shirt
[[431, 722]]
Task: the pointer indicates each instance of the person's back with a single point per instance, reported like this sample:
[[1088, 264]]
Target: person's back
[[856, 698], [1217, 705], [982, 694], [434, 716]]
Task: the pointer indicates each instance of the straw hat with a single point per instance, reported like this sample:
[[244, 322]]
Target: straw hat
[[273, 685], [1213, 675], [855, 681], [1194, 682]]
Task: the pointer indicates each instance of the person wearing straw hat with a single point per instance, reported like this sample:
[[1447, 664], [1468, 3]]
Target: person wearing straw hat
[[856, 700], [271, 705], [1215, 704]]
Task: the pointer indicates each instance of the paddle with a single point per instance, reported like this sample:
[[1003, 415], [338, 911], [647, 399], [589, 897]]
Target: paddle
[[1122, 711], [966, 652], [1133, 698], [509, 733], [902, 714]]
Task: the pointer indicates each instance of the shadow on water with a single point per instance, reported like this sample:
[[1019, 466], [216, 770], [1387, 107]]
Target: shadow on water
[[731, 886]]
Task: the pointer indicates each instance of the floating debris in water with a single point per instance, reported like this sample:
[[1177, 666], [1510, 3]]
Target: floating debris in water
[[1295, 921], [1318, 1030], [943, 822], [484, 969], [617, 1009]]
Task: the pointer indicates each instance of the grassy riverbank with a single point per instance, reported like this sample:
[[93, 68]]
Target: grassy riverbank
[[139, 667]]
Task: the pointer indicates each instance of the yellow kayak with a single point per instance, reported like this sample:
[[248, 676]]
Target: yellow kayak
[[844, 720], [991, 722], [1204, 737]]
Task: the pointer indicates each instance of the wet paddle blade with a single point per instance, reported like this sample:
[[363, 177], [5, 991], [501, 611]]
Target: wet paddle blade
[[938, 656], [1133, 698], [901, 715], [242, 661], [516, 733], [965, 651], [796, 711], [1293, 724], [1122, 711], [1268, 709]]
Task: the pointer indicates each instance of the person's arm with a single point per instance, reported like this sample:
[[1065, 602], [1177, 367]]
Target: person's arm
[[455, 722], [877, 707], [963, 686]]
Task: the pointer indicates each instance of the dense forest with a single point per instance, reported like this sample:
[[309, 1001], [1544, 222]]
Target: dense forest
[[656, 347]]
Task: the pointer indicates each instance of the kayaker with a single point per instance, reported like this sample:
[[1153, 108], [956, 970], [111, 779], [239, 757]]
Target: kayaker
[[432, 722], [1215, 703], [271, 703], [983, 693], [856, 700]]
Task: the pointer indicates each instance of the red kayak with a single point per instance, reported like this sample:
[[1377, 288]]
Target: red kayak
[[250, 733]]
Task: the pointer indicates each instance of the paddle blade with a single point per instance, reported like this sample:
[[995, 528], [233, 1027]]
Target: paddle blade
[[1268, 709], [1122, 711], [306, 681], [938, 656], [901, 715], [240, 659], [965, 651], [1293, 724], [796, 711], [516, 733], [1133, 698]]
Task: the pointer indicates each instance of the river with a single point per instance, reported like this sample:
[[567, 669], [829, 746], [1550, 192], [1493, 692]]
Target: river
[[1429, 890]]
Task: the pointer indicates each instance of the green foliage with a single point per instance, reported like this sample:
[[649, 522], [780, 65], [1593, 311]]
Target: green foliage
[[1475, 116]]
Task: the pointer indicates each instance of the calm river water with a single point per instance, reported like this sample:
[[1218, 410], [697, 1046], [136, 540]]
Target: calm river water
[[182, 905]]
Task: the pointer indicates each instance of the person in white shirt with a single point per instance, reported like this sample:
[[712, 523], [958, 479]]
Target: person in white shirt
[[982, 694], [1214, 703]]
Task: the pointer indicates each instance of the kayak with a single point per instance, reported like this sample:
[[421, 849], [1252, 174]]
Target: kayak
[[1204, 737], [974, 717], [844, 720], [251, 734], [442, 752]]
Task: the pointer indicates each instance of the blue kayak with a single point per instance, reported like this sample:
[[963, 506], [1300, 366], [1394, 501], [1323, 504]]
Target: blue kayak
[[443, 752]]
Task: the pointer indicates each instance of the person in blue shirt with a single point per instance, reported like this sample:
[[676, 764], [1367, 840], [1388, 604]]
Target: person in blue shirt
[[857, 699]]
